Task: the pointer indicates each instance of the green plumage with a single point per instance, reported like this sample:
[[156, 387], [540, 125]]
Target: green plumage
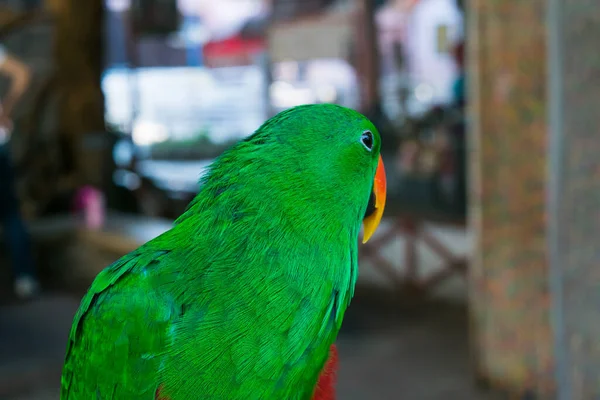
[[243, 297]]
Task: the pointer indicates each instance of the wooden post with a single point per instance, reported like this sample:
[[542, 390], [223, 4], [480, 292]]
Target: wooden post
[[367, 55]]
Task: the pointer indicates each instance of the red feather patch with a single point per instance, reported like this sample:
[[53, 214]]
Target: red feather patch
[[158, 394], [325, 389]]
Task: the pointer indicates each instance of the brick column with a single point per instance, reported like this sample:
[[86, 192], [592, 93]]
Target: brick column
[[535, 162]]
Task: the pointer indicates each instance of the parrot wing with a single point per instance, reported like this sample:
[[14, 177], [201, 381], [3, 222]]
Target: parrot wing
[[137, 317]]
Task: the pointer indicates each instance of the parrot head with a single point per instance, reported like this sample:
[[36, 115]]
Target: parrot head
[[317, 165]]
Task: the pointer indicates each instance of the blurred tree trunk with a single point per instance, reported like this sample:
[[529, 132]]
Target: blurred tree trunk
[[78, 59], [55, 163], [68, 102]]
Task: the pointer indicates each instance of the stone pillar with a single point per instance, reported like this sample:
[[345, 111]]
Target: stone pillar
[[535, 162], [574, 169]]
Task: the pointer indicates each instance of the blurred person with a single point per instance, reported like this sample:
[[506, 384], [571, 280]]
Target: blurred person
[[435, 26], [391, 20], [15, 233]]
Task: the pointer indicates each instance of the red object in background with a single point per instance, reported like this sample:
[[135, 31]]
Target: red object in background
[[232, 51], [459, 54], [326, 386]]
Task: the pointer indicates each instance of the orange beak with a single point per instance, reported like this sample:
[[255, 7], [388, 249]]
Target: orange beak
[[371, 221]]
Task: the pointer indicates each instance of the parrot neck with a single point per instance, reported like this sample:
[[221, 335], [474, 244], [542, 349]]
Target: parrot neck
[[261, 190]]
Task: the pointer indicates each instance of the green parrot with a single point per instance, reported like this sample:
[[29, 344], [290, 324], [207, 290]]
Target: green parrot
[[244, 296]]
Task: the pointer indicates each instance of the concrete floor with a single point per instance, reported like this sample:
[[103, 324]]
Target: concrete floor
[[32, 343]]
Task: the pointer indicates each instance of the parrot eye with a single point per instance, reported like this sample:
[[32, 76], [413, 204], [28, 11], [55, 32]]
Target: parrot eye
[[367, 140]]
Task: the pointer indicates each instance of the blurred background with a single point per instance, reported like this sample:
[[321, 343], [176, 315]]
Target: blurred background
[[482, 280]]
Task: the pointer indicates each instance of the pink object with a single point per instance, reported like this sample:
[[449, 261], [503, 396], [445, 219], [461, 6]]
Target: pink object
[[90, 201]]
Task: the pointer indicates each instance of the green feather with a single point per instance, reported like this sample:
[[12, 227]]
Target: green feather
[[243, 297]]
